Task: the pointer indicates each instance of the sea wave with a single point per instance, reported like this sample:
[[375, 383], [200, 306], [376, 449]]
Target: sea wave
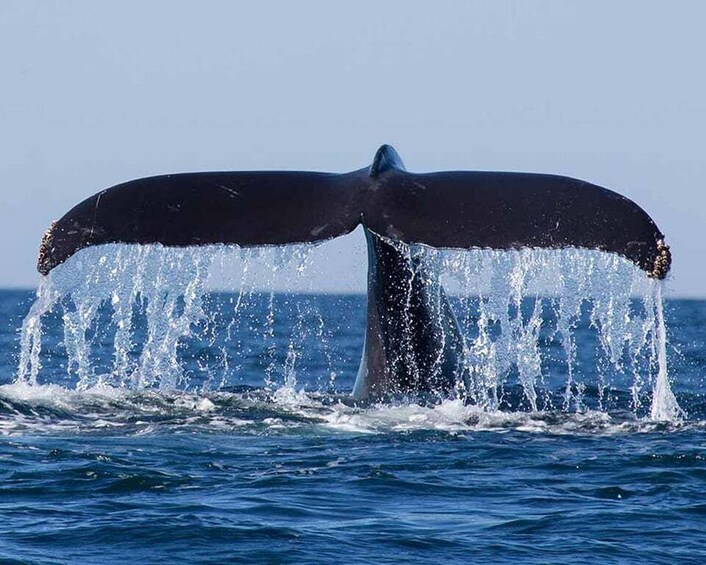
[[53, 409]]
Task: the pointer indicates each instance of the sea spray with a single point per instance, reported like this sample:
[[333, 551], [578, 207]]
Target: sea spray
[[521, 313], [155, 299], [521, 303], [31, 333], [664, 403]]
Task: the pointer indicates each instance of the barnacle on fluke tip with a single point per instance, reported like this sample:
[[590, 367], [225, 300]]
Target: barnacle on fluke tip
[[663, 261], [44, 263]]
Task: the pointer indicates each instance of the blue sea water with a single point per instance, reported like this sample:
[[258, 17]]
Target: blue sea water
[[242, 461]]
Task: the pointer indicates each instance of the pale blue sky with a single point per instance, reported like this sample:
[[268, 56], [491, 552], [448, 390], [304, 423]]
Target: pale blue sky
[[94, 93]]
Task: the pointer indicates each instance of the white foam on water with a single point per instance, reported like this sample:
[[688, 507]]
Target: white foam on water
[[503, 299], [52, 409]]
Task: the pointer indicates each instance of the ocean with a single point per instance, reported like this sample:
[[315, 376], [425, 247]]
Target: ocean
[[196, 426]]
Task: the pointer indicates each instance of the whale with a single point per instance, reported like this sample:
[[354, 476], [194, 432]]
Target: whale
[[413, 345]]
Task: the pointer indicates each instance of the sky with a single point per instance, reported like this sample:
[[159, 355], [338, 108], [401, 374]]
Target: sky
[[96, 93]]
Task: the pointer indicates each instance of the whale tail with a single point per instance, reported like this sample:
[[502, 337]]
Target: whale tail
[[412, 343], [446, 210]]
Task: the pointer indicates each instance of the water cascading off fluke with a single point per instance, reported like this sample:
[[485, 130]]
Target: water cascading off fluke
[[526, 317]]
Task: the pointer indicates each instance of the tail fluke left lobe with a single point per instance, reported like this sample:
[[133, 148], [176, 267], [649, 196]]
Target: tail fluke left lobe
[[243, 208]]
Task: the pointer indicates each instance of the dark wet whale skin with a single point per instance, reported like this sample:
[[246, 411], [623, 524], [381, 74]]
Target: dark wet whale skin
[[412, 341]]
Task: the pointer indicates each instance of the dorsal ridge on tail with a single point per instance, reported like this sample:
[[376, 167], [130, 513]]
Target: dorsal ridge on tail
[[386, 159]]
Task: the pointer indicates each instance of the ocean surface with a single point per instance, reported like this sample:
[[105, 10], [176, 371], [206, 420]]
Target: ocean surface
[[242, 446]]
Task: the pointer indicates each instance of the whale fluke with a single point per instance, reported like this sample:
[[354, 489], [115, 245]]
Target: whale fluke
[[412, 342], [515, 210], [192, 209], [446, 210]]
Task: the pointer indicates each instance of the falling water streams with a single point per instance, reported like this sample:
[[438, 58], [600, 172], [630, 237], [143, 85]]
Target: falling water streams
[[521, 313]]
